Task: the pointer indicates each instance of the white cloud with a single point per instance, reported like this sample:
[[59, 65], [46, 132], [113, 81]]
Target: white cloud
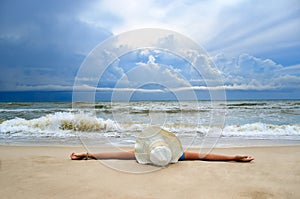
[[151, 73], [235, 26], [244, 72], [247, 72], [119, 90], [232, 26], [49, 87], [295, 70], [196, 18]]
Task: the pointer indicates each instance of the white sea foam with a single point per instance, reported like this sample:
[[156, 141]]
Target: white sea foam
[[121, 122], [66, 123], [261, 130], [59, 122]]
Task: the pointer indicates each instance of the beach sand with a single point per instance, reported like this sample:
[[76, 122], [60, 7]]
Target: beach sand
[[47, 172]]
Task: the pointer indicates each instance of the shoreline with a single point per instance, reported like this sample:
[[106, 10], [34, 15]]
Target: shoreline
[[234, 142], [47, 172]]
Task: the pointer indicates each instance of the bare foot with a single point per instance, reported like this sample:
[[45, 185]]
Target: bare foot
[[74, 156], [243, 158]]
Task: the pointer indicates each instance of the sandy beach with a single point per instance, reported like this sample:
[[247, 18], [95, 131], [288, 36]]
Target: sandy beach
[[47, 172]]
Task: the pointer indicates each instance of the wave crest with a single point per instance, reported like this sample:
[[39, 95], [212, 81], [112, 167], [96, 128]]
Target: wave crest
[[59, 121]]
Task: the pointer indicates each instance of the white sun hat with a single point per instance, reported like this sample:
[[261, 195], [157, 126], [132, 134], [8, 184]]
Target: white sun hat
[[157, 146]]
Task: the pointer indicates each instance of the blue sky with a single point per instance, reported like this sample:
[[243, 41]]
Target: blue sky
[[254, 44]]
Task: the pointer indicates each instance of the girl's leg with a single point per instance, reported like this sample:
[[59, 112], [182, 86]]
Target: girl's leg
[[126, 155], [216, 157]]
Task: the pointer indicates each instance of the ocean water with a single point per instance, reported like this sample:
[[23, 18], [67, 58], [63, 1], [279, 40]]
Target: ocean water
[[243, 123]]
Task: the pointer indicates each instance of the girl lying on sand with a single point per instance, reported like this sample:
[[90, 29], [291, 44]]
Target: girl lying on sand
[[159, 147]]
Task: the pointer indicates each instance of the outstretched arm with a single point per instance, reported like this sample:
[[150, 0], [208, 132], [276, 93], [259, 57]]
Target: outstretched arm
[[125, 155], [216, 157], [128, 155]]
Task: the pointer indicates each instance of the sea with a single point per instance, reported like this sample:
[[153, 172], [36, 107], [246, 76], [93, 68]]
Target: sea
[[196, 123]]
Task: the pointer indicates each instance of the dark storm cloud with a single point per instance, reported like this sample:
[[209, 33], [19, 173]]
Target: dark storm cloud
[[43, 40]]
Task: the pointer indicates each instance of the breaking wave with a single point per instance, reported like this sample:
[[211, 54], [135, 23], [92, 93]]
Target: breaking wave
[[66, 123]]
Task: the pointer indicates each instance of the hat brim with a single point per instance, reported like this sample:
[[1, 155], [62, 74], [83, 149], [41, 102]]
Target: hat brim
[[154, 134]]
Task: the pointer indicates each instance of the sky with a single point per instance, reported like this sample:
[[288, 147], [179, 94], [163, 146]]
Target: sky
[[255, 45]]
